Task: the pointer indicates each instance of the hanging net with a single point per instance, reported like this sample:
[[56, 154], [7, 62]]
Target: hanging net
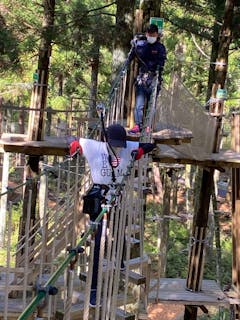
[[177, 108]]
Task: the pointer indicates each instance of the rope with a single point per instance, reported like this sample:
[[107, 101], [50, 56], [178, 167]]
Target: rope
[[119, 187], [109, 269], [100, 266], [67, 309], [32, 306], [88, 283], [195, 241]]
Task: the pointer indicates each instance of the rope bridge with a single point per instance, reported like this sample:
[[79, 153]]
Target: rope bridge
[[58, 247]]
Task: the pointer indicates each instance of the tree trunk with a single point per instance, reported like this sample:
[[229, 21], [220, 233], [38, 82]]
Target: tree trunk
[[94, 76], [196, 261], [1, 116], [174, 209], [39, 94], [3, 199], [164, 224], [36, 117], [121, 47], [151, 8], [123, 32], [236, 214]]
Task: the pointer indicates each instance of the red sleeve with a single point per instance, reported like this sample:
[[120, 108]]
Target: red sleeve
[[139, 154], [74, 147]]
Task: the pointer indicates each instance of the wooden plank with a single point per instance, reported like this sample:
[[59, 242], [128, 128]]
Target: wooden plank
[[163, 154], [19, 143], [173, 290], [16, 287], [121, 314], [225, 158], [133, 277], [173, 136], [15, 270]]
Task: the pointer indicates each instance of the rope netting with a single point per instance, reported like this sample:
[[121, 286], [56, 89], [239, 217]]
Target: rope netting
[[178, 108]]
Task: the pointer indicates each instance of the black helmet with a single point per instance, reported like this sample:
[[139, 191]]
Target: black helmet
[[116, 136]]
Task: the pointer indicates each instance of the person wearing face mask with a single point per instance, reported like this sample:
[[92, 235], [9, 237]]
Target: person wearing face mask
[[108, 161], [151, 55]]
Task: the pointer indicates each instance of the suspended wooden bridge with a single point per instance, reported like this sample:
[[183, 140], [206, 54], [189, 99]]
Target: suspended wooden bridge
[[48, 271]]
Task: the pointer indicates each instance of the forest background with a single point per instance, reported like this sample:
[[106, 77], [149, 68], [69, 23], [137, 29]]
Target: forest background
[[90, 42], [91, 39]]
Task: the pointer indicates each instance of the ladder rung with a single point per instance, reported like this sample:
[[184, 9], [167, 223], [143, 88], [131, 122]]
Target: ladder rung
[[121, 314], [133, 277]]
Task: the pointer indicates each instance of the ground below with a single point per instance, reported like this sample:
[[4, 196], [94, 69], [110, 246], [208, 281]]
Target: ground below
[[161, 311]]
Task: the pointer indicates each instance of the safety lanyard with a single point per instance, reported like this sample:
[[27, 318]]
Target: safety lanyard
[[110, 147]]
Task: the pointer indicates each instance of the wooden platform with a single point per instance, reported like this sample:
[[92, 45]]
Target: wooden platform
[[173, 136], [19, 143], [163, 154], [173, 290], [225, 158]]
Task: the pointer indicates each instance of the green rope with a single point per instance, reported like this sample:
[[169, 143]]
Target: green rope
[[32, 306], [41, 294]]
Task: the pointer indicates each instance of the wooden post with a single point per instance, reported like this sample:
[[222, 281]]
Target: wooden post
[[236, 211], [196, 262], [133, 72], [163, 227], [38, 103], [197, 253], [3, 199], [190, 313]]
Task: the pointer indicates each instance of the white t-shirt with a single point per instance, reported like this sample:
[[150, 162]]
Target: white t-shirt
[[97, 156]]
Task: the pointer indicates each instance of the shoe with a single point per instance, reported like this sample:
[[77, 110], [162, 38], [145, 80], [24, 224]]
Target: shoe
[[93, 298], [122, 267], [135, 129]]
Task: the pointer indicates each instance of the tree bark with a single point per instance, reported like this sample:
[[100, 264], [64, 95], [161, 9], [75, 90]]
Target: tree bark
[[36, 117], [151, 8], [164, 224], [94, 76], [196, 261], [123, 32]]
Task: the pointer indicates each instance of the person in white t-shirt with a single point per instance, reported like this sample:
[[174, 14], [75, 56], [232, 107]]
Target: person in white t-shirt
[[108, 162]]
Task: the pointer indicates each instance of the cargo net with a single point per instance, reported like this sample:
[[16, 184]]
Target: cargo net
[[177, 109]]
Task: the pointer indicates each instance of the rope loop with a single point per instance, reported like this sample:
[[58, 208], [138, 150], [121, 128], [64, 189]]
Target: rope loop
[[194, 241]]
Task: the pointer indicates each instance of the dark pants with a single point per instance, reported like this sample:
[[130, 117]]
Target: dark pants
[[98, 235], [96, 255]]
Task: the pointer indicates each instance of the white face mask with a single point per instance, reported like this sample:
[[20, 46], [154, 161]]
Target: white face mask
[[151, 39]]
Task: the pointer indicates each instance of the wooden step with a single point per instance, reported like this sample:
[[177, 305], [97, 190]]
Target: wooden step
[[134, 228], [135, 262], [143, 316], [133, 241], [121, 314], [133, 277], [77, 310]]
